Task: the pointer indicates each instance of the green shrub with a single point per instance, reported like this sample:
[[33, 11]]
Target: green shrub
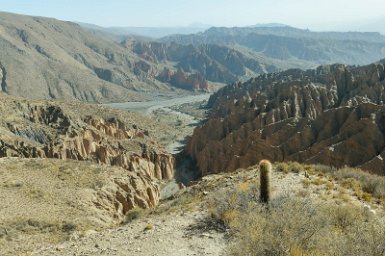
[[223, 207], [148, 227]]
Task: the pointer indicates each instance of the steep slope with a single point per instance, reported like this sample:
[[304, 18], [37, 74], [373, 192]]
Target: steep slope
[[332, 115], [52, 59], [285, 43]]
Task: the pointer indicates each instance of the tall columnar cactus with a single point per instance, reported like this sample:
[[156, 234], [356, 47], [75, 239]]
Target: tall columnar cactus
[[264, 179]]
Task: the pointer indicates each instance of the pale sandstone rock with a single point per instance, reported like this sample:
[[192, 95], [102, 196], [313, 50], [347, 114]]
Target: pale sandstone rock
[[125, 193]]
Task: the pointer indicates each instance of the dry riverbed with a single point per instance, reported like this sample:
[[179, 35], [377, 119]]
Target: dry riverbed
[[181, 114]]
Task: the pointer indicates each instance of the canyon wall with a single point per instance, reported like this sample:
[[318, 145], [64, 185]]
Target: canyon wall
[[48, 132], [332, 115]]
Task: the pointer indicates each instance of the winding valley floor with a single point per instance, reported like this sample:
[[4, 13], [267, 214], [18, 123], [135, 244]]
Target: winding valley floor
[[167, 111]]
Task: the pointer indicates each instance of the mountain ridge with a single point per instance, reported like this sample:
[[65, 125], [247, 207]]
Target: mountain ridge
[[41, 47], [289, 42]]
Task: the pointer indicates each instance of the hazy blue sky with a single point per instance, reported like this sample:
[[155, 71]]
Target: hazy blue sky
[[313, 14]]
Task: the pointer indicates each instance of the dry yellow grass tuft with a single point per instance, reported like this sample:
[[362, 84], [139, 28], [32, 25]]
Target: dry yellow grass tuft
[[148, 227]]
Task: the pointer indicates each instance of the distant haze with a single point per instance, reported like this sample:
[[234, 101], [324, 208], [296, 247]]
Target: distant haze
[[340, 15], [150, 32]]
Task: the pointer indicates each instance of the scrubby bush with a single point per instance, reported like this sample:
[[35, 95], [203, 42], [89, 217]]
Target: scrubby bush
[[223, 207], [148, 226], [293, 225], [369, 183], [296, 167], [282, 167], [364, 184]]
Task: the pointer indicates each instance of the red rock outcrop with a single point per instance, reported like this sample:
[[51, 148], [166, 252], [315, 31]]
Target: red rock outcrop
[[185, 81], [333, 115]]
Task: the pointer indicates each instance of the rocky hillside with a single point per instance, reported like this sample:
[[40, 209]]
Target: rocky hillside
[[214, 62], [288, 43], [332, 115], [40, 129], [52, 59], [45, 58]]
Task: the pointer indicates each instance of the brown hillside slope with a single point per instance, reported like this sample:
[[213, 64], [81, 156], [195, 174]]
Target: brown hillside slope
[[332, 115], [43, 58]]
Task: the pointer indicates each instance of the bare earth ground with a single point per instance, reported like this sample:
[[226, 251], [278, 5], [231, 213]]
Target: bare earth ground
[[169, 235]]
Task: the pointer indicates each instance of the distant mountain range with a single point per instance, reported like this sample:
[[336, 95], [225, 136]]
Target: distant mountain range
[[52, 59], [285, 43], [374, 25]]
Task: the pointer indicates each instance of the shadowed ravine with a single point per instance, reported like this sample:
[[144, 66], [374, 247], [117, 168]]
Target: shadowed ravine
[[165, 111]]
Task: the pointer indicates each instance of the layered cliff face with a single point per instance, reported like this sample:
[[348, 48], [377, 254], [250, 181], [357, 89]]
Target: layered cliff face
[[81, 132], [332, 115]]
